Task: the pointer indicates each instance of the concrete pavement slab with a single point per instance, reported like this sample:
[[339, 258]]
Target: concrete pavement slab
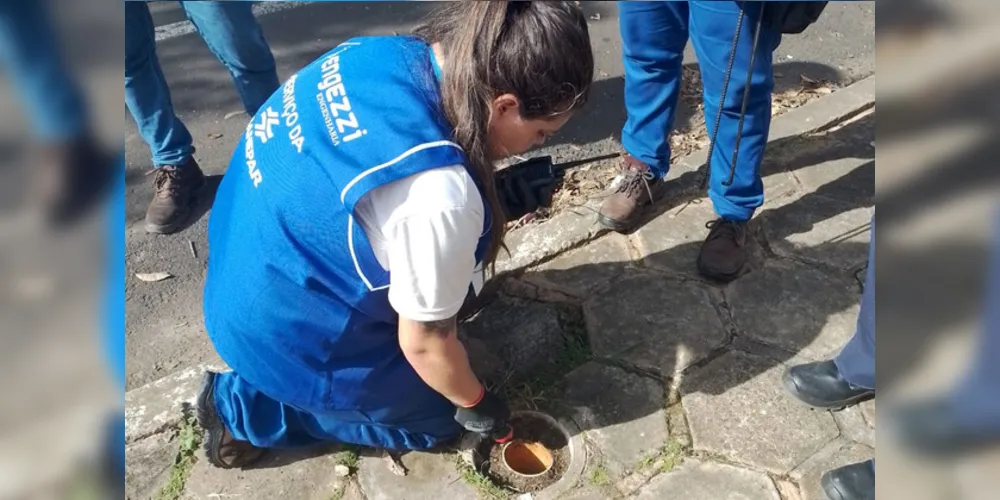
[[581, 271], [622, 413], [308, 475], [654, 322], [149, 462], [796, 307], [836, 454], [429, 475], [696, 480], [736, 408]]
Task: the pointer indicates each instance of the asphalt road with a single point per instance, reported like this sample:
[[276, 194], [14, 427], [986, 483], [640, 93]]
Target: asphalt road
[[164, 319]]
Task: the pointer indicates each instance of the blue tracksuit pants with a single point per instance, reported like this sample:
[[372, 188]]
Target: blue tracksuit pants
[[653, 38]]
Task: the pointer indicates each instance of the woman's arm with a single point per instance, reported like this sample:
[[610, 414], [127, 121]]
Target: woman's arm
[[434, 351]]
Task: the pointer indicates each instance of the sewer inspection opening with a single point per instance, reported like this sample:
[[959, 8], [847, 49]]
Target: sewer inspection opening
[[537, 457]]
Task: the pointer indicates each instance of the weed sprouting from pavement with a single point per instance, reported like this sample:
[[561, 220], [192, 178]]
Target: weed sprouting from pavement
[[190, 436], [599, 476], [484, 485], [348, 457]]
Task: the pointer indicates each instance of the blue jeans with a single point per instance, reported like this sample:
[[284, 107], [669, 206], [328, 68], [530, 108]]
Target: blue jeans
[[856, 360], [233, 35], [28, 48], [653, 38]]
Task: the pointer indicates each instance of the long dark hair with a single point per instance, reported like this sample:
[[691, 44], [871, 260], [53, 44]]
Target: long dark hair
[[537, 51]]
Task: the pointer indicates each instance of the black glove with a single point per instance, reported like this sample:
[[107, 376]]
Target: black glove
[[526, 186], [489, 417]]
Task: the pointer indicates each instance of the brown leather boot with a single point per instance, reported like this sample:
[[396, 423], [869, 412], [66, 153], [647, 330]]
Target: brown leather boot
[[635, 187], [177, 189], [724, 252]]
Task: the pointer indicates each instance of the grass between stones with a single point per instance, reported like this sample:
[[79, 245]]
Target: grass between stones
[[599, 476], [536, 391], [190, 436], [668, 457], [484, 486], [348, 457]]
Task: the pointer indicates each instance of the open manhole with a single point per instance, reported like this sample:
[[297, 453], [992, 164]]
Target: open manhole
[[539, 456]]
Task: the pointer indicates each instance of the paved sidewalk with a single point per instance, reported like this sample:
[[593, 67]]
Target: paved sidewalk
[[670, 384]]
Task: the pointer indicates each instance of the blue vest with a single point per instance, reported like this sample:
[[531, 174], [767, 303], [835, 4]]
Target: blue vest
[[295, 300]]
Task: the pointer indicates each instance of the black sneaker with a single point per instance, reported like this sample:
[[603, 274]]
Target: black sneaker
[[177, 189]]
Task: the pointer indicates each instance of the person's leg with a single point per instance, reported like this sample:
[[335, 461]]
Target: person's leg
[[178, 177], [146, 93], [735, 191], [976, 398], [72, 171], [849, 378], [233, 34], [53, 102], [713, 26], [252, 418], [653, 38], [856, 361]]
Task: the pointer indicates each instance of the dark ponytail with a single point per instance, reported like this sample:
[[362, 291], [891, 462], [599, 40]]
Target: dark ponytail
[[537, 51]]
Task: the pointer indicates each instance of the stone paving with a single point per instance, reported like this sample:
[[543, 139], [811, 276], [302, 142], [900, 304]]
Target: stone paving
[[673, 382]]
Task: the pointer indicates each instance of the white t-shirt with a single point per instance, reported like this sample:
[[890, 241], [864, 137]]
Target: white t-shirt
[[425, 229]]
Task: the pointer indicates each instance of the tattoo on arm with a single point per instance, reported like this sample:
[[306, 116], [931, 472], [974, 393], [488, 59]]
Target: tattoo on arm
[[442, 327]]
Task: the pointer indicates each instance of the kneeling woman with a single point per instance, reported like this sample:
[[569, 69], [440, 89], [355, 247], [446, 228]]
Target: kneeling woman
[[357, 213]]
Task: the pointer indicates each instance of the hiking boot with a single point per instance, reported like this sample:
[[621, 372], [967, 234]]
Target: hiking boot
[[72, 177], [724, 253], [635, 187], [177, 188], [221, 448]]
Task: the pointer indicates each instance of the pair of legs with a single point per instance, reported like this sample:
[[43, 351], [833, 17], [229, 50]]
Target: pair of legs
[[242, 421], [234, 36], [74, 172], [654, 35]]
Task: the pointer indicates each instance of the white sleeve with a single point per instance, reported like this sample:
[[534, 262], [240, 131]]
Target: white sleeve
[[432, 260]]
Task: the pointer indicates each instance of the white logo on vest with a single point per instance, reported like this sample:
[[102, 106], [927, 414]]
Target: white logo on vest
[[263, 130]]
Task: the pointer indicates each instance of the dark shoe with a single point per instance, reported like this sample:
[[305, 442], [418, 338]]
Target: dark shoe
[[74, 175], [177, 189], [724, 252], [222, 449], [635, 187], [851, 482], [932, 428], [821, 386]]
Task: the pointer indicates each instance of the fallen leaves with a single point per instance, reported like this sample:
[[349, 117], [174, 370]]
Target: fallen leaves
[[153, 277]]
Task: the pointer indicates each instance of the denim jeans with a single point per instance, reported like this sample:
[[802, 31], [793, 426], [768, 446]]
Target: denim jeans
[[234, 36], [653, 38], [29, 50]]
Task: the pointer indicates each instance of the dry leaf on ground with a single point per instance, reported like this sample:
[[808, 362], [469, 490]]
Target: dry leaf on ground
[[153, 277]]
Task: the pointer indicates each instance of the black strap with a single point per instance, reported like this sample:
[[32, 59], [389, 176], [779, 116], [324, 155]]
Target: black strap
[[725, 90]]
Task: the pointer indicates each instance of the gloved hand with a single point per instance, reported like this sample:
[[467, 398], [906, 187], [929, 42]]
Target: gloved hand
[[526, 186], [490, 417]]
